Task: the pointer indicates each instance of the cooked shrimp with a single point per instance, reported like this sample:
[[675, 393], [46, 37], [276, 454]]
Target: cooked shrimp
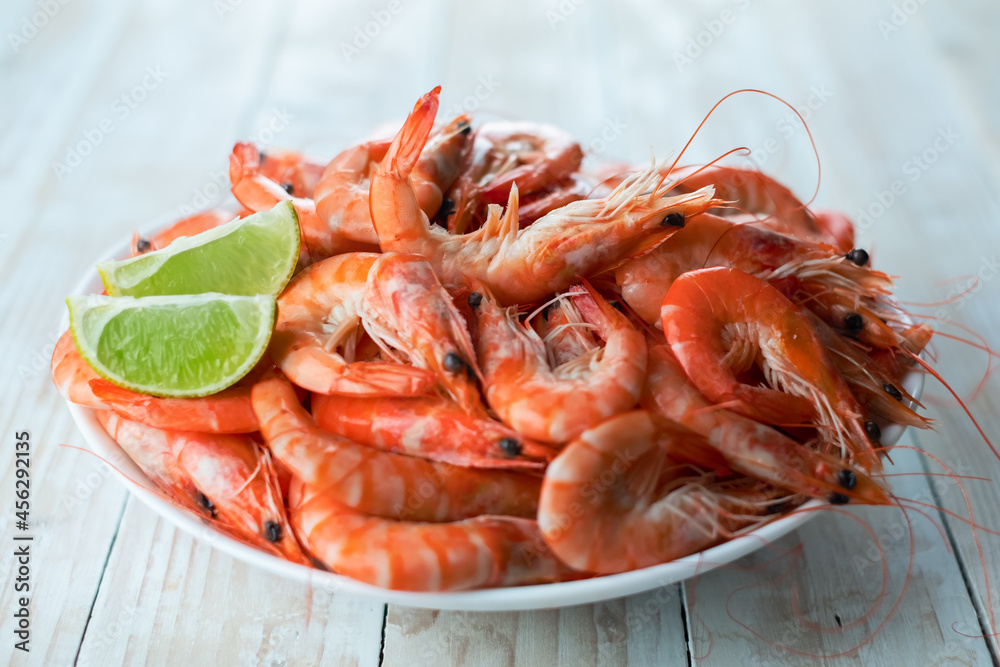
[[342, 194], [259, 193], [318, 327], [608, 503], [227, 411], [225, 478], [751, 191], [195, 224], [555, 405], [867, 379], [523, 265], [407, 308], [429, 427], [383, 483], [405, 555], [533, 156], [293, 171], [72, 375], [720, 321], [710, 240], [566, 335], [750, 447]]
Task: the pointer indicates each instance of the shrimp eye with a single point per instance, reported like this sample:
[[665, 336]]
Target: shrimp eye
[[510, 446], [873, 431], [847, 479], [142, 245], [272, 531], [475, 299], [838, 499], [453, 363], [892, 391], [673, 219], [858, 256], [289, 188], [206, 504], [854, 322], [464, 127]]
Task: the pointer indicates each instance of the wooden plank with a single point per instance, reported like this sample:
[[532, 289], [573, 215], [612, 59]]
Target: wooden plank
[[169, 599], [817, 593], [641, 629]]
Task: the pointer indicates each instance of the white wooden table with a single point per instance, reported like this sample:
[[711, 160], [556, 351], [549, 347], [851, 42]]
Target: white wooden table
[[115, 112]]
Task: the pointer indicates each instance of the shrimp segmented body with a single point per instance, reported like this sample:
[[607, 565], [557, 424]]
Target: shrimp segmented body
[[750, 447], [227, 411], [751, 191], [407, 308], [195, 224], [228, 479], [318, 328], [342, 193], [719, 322], [636, 515], [258, 193], [523, 265], [378, 482], [710, 241], [429, 427], [408, 555], [556, 405]]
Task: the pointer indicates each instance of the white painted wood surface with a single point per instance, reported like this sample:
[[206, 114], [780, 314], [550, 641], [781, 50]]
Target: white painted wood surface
[[113, 584]]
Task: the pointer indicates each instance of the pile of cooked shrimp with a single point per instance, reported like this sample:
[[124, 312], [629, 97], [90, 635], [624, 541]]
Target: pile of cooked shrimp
[[495, 367]]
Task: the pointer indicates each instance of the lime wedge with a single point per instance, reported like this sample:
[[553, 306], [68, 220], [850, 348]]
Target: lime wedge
[[255, 255], [181, 346]]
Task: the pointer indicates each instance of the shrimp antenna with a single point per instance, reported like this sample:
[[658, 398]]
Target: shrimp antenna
[[819, 167]]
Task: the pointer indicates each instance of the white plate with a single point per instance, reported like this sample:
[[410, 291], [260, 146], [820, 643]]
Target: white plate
[[494, 599]]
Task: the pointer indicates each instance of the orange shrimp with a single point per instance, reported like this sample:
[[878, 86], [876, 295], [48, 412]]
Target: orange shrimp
[[538, 158], [720, 321], [318, 328], [296, 173], [429, 427], [749, 447], [378, 482], [228, 411], [228, 479], [556, 405], [609, 502], [72, 375], [751, 191], [523, 265], [479, 552], [566, 335], [710, 240], [258, 193], [195, 224], [868, 380], [407, 308], [342, 193]]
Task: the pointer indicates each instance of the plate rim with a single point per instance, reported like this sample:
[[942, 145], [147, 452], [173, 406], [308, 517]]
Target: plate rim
[[512, 598]]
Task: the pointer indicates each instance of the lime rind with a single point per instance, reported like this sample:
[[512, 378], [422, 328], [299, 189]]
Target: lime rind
[[176, 346], [255, 255]]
